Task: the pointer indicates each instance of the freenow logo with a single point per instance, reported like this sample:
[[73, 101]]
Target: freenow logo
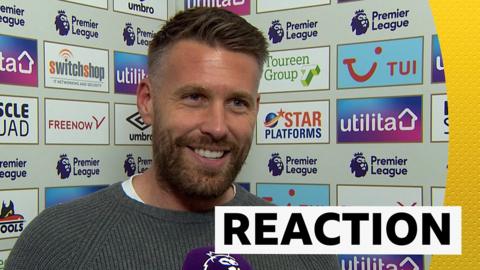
[[381, 262], [130, 69], [393, 62], [293, 30], [86, 28], [155, 9], [13, 169], [396, 119], [129, 126], [294, 194], [293, 165], [305, 69], [380, 21], [379, 166], [12, 15], [10, 222], [438, 72], [305, 122], [440, 126], [132, 166], [95, 124], [80, 167], [240, 7], [18, 120], [74, 67], [136, 36], [18, 61]]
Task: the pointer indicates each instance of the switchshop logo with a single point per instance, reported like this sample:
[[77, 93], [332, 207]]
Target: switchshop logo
[[86, 28], [10, 222], [80, 167], [379, 166], [131, 167], [390, 20], [293, 165], [293, 30]]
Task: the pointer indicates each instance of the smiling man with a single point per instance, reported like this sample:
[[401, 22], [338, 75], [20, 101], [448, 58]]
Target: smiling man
[[201, 98]]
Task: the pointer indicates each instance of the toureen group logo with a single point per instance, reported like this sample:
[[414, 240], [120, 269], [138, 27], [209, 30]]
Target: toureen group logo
[[18, 61], [438, 72], [240, 7], [18, 120], [133, 166], [381, 262], [294, 194], [136, 35], [302, 122], [379, 21], [383, 63], [12, 15], [79, 168], [130, 69], [83, 27], [303, 30], [294, 165], [392, 167], [393, 119]]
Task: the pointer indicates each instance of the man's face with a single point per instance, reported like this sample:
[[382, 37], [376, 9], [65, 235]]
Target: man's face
[[204, 102]]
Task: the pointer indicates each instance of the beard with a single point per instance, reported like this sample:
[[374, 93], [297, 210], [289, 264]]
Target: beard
[[174, 169]]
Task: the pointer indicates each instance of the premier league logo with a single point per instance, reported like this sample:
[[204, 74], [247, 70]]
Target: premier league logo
[[275, 32], [61, 23], [220, 262], [129, 165], [358, 165], [275, 165], [63, 167], [360, 23], [128, 34]]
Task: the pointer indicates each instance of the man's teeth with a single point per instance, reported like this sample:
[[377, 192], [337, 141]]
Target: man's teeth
[[209, 154]]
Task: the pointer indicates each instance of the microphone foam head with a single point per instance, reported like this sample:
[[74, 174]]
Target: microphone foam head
[[205, 258]]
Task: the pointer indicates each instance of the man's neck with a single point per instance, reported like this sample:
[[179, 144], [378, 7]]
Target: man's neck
[[153, 193]]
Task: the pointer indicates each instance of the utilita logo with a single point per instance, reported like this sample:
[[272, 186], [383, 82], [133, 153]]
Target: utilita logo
[[293, 30], [381, 262], [139, 37], [80, 167], [12, 15], [293, 165], [394, 62], [379, 166], [240, 7], [131, 167], [86, 28], [438, 70], [380, 119], [18, 61], [130, 69], [10, 222], [391, 20]]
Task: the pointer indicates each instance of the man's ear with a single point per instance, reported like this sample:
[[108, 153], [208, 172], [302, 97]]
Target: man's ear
[[145, 100], [258, 102]]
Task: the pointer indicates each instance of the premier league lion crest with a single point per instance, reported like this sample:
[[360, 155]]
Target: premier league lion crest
[[129, 165], [360, 23], [359, 165], [61, 23], [128, 34], [63, 167], [275, 32], [275, 165], [220, 262]]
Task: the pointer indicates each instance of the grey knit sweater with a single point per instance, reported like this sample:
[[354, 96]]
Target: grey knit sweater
[[109, 230]]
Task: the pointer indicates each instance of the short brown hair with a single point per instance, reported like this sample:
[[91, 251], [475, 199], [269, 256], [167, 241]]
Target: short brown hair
[[213, 26]]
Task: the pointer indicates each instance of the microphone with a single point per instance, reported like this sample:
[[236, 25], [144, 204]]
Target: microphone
[[205, 258]]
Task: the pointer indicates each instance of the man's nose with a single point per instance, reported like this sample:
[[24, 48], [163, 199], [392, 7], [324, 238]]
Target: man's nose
[[215, 124]]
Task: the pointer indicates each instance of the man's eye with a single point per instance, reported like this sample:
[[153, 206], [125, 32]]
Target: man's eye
[[240, 103]]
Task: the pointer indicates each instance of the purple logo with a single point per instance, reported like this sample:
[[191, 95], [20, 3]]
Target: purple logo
[[130, 69], [61, 23], [359, 165], [63, 167], [438, 73], [240, 7], [18, 61], [275, 32], [218, 261], [394, 119], [206, 259], [128, 34], [129, 165], [360, 22], [376, 262], [275, 165]]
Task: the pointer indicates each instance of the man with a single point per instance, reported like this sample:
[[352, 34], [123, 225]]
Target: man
[[201, 99]]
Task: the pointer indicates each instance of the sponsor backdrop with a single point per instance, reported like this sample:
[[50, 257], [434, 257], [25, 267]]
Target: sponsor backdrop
[[354, 104]]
